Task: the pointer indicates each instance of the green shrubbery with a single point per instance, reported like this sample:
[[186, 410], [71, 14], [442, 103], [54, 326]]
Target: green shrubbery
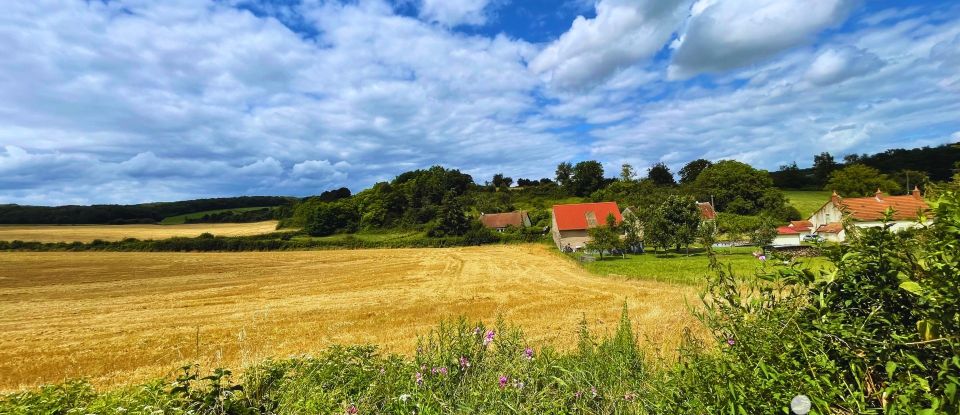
[[876, 335]]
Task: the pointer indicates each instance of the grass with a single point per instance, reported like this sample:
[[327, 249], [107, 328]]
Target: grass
[[87, 233], [181, 219], [681, 268], [120, 318], [807, 201]]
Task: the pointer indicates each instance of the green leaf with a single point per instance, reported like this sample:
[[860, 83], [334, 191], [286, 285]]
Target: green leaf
[[891, 367], [912, 287]]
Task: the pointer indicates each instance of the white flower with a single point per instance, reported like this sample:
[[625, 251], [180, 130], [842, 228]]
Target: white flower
[[404, 397]]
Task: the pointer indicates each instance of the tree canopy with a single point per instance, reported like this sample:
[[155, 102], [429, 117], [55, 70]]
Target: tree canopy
[[858, 180]]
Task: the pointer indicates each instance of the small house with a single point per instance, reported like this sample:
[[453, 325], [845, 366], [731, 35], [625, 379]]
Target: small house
[[571, 222], [502, 221]]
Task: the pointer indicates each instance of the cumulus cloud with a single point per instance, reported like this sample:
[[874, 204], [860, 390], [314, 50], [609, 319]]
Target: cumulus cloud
[[623, 33], [454, 12], [723, 35], [839, 64]]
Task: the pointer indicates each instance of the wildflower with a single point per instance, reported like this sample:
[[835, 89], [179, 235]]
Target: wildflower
[[731, 341], [352, 409], [489, 337], [578, 394], [476, 330], [593, 391], [503, 381], [439, 371], [464, 363], [443, 370], [528, 354], [404, 397], [629, 396], [419, 378], [762, 257], [518, 384]]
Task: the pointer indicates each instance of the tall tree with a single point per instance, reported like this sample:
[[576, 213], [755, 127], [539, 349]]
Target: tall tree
[[682, 218], [823, 165], [499, 180], [790, 177], [689, 172], [735, 187], [587, 177], [451, 219], [858, 180], [564, 175], [627, 173], [660, 175]]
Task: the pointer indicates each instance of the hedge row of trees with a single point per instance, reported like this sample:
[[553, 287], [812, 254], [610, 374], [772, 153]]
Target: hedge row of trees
[[124, 214]]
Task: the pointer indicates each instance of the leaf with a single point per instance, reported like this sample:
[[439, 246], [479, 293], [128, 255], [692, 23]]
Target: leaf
[[912, 287], [891, 367]]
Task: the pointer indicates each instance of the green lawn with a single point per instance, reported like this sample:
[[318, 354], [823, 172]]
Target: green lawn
[[807, 201], [181, 219], [684, 269]]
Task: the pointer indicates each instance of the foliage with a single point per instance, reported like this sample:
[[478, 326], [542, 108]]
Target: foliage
[[235, 216], [737, 188], [858, 180], [690, 171], [632, 227], [736, 226], [660, 175], [587, 178], [499, 181], [765, 233], [823, 165], [627, 173], [329, 218], [791, 177], [604, 238], [564, 176], [680, 220], [451, 219]]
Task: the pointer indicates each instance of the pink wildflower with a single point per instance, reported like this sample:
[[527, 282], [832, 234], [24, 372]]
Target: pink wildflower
[[503, 381], [731, 341], [464, 363], [489, 337], [352, 409], [528, 354], [419, 378]]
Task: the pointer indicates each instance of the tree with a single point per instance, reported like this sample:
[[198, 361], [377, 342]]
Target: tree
[[657, 231], [499, 180], [587, 177], [689, 172], [329, 218], [858, 180], [660, 175], [908, 179], [682, 217], [564, 176], [451, 220], [632, 227], [823, 165], [604, 238], [735, 187], [627, 174], [765, 234], [790, 177]]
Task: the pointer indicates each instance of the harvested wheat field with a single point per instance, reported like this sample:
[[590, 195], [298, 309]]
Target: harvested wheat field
[[124, 317], [87, 233]]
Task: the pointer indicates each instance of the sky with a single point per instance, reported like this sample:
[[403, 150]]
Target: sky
[[129, 101]]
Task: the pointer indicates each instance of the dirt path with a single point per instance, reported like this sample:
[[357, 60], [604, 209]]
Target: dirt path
[[125, 317]]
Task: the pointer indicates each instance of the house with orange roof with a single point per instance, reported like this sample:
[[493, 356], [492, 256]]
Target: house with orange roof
[[572, 222], [866, 212], [502, 221]]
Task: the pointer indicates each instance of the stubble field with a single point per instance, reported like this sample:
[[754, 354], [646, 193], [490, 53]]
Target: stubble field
[[87, 233], [118, 318]]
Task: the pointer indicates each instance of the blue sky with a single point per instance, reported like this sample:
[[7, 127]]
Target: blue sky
[[132, 100]]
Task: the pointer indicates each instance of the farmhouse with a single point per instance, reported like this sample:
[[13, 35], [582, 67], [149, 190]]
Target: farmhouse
[[793, 233], [865, 212], [707, 212], [501, 221], [571, 222]]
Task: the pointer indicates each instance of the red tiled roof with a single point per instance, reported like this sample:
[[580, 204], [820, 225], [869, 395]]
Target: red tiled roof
[[873, 208], [502, 220], [786, 230], [585, 215], [832, 227], [801, 225], [706, 211]]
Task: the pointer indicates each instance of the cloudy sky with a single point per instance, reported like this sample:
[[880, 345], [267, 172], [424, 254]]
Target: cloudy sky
[[137, 100]]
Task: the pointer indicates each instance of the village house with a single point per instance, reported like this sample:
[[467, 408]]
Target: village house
[[866, 212], [707, 212], [793, 233], [502, 221], [571, 222]]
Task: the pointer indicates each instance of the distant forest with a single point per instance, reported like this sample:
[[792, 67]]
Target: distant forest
[[440, 201]]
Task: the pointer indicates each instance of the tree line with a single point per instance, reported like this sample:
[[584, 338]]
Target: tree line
[[129, 214]]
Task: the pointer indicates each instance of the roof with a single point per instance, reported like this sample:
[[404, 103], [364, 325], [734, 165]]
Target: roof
[[582, 216], [832, 227], [502, 220], [873, 208], [801, 225], [706, 211], [786, 230]]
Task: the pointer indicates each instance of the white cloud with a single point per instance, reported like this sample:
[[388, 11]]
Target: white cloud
[[723, 35], [623, 33], [839, 64], [454, 12]]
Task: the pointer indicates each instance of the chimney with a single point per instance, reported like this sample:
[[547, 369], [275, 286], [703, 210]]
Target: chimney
[[878, 195], [916, 193]]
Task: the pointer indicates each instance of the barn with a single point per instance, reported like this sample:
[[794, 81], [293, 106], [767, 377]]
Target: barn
[[502, 221]]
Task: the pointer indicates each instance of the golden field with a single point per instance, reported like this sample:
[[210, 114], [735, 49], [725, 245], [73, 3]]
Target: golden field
[[87, 233], [119, 318]]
